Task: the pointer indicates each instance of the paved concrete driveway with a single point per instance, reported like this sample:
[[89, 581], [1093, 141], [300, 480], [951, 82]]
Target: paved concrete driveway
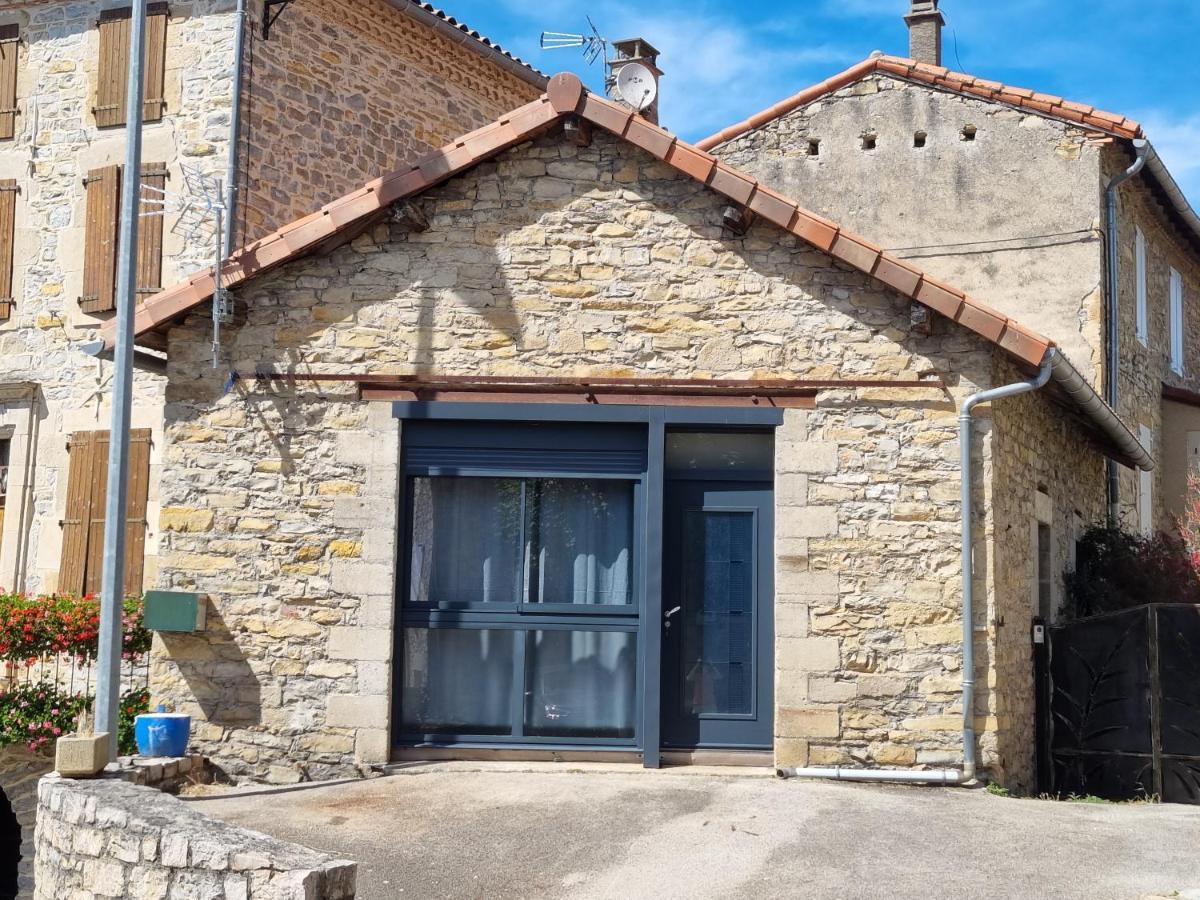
[[464, 830]]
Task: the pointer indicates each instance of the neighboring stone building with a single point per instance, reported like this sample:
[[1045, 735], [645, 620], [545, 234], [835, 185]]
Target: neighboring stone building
[[718, 507], [329, 70], [1002, 191]]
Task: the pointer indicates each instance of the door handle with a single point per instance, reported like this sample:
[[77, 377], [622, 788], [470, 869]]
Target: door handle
[[671, 612]]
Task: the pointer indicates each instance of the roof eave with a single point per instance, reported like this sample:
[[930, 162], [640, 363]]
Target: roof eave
[[494, 53]]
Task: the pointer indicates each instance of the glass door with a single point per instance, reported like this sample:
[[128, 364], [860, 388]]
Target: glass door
[[520, 612], [717, 628]]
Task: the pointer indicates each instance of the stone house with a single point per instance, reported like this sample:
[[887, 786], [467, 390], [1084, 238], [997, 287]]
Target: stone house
[[574, 439], [1002, 191], [308, 85]]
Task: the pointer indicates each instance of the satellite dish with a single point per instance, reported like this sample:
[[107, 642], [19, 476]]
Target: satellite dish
[[636, 85]]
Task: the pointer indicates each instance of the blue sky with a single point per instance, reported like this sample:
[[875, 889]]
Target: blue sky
[[726, 59]]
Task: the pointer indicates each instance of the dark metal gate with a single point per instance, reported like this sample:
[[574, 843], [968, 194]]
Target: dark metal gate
[[1118, 699]]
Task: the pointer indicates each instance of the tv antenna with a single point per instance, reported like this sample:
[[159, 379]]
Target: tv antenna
[[594, 45], [201, 208]]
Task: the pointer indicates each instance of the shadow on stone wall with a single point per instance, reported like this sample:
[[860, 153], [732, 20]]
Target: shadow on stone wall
[[226, 691]]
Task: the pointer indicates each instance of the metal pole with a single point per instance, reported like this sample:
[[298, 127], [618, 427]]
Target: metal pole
[[112, 585]]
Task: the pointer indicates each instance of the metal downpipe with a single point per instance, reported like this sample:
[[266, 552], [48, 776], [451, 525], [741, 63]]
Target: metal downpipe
[[970, 762], [1113, 368], [235, 130]]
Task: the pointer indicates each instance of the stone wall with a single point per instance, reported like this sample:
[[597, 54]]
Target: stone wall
[[107, 838], [20, 770], [341, 92], [57, 72], [346, 90], [1146, 367], [1011, 217], [555, 259]]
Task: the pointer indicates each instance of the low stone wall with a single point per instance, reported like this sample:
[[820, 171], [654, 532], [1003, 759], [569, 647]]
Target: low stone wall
[[20, 769], [108, 838]]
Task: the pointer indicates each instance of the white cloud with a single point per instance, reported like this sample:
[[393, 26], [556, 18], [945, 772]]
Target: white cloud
[[1177, 141]]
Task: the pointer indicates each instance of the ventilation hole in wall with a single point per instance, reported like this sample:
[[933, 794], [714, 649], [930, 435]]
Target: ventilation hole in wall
[[868, 141], [919, 139], [814, 147], [968, 132]]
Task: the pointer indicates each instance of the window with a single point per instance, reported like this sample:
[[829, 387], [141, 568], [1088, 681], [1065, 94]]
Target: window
[[522, 605], [83, 525], [869, 141], [113, 68], [101, 238], [1143, 328], [8, 233], [1176, 323], [919, 139], [5, 450], [10, 45], [1145, 507], [1045, 572], [521, 540]]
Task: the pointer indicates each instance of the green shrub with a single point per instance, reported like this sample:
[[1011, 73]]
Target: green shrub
[[1116, 570]]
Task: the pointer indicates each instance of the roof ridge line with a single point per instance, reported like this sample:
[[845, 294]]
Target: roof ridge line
[[565, 96], [943, 78]]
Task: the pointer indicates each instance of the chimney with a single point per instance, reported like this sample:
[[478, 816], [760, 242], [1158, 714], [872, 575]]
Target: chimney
[[639, 51], [925, 23]]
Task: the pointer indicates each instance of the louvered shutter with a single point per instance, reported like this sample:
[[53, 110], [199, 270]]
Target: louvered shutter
[[82, 564], [100, 240], [10, 43], [150, 230], [113, 69], [8, 232]]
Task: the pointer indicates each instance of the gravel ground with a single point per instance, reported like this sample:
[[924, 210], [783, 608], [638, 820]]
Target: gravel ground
[[525, 831]]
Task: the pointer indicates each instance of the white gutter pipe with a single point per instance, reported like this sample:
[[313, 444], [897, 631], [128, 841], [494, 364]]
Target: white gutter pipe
[[967, 774], [1112, 376]]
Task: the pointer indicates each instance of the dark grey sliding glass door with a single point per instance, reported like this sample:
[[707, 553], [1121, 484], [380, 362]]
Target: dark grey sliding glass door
[[519, 620]]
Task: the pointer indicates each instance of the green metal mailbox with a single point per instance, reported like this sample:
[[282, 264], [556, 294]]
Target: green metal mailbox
[[178, 611]]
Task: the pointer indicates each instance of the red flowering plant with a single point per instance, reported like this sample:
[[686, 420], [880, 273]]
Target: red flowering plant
[[42, 629]]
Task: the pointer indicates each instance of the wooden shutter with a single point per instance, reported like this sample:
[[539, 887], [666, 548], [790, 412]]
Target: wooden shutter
[[156, 62], [10, 42], [150, 230], [8, 232], [100, 240], [113, 69], [77, 521], [82, 564]]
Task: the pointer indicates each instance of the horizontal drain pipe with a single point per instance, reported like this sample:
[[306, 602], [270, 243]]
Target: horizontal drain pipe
[[950, 776]]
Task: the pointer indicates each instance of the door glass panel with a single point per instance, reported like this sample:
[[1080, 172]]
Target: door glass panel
[[466, 540], [457, 681], [719, 451], [581, 684], [718, 612], [579, 536]]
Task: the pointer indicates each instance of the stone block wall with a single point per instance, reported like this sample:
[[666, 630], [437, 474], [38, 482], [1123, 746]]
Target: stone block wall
[[342, 92], [345, 90], [108, 838], [556, 259]]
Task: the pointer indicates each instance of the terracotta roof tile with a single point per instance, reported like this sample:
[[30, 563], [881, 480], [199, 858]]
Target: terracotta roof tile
[[306, 234], [942, 79]]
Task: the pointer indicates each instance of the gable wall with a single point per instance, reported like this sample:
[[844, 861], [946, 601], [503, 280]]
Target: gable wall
[[560, 260], [1011, 218]]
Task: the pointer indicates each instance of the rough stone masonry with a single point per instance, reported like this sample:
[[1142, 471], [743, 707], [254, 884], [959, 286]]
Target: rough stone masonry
[[597, 260]]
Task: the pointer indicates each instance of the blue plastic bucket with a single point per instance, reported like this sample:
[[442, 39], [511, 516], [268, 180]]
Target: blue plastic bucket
[[162, 733]]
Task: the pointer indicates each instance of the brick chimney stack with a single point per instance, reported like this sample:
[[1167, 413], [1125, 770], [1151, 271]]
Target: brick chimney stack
[[925, 23]]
